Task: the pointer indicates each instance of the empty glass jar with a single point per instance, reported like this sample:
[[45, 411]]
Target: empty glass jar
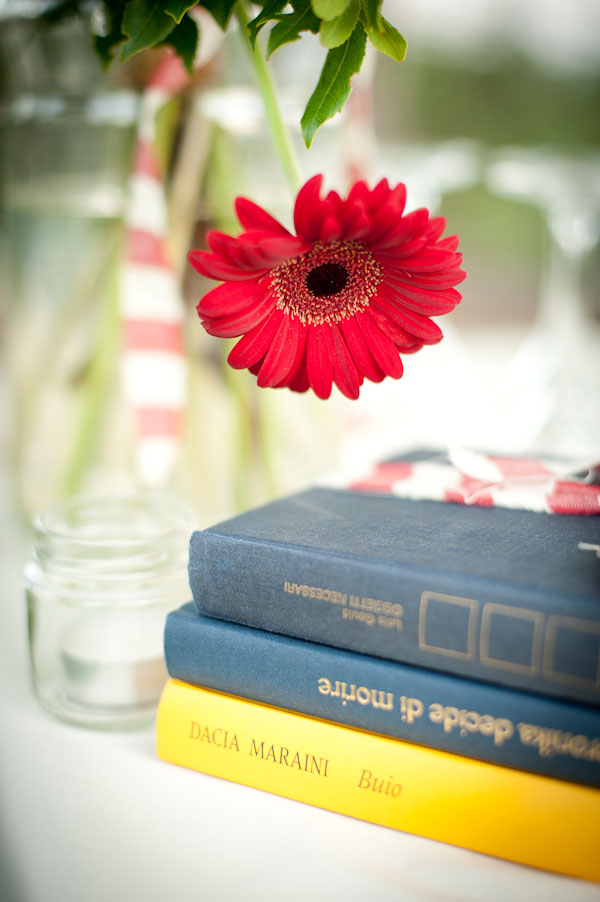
[[102, 577]]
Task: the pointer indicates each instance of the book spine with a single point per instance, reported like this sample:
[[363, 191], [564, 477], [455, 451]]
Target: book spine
[[521, 817], [476, 628], [479, 720]]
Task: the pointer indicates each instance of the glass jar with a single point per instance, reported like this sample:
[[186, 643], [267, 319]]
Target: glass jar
[[103, 575], [67, 133]]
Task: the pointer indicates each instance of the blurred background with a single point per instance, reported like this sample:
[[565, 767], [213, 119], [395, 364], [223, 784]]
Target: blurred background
[[492, 121]]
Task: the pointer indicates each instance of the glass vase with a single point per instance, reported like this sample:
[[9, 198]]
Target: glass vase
[[65, 150]]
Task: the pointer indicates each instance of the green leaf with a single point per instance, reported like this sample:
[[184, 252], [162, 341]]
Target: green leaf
[[290, 25], [220, 10], [337, 32], [333, 88], [373, 17], [178, 8], [106, 44], [270, 11], [328, 9], [146, 24], [387, 40], [184, 39]]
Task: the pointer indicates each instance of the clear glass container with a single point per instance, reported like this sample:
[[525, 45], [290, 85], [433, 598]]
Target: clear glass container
[[103, 575], [67, 135]]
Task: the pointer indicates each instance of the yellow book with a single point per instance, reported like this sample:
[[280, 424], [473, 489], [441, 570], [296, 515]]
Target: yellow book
[[484, 807]]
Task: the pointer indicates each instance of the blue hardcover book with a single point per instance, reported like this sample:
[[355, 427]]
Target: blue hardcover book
[[478, 720], [500, 595]]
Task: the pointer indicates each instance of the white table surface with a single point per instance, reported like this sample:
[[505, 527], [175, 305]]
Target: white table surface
[[95, 817]]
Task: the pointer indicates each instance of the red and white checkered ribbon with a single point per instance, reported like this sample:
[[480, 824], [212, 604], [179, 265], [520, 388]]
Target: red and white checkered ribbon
[[525, 483], [153, 362]]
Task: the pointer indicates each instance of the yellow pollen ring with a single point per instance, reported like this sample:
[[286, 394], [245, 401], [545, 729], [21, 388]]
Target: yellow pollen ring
[[288, 282]]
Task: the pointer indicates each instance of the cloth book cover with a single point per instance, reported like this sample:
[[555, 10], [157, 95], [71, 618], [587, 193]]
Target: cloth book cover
[[507, 813], [500, 595], [480, 720]]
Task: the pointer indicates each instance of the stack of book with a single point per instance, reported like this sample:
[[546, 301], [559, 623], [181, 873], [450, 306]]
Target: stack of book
[[427, 666]]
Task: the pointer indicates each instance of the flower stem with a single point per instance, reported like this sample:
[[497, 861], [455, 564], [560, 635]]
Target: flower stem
[[279, 133], [100, 373]]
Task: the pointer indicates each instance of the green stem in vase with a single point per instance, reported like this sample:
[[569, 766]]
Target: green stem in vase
[[97, 381], [279, 133]]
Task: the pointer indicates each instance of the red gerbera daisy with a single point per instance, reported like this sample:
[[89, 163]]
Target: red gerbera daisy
[[341, 300]]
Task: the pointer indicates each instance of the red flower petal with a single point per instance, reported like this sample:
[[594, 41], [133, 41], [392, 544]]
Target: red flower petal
[[413, 349], [434, 229], [219, 243], [280, 357], [330, 229], [310, 211], [428, 302], [385, 221], [398, 197], [238, 323], [275, 250], [401, 338], [255, 343], [415, 323], [379, 194], [251, 216], [256, 252], [430, 260], [335, 204], [389, 226], [358, 348], [382, 348], [300, 382], [401, 230], [355, 220], [232, 251], [227, 299], [359, 193], [297, 373], [450, 243], [212, 267], [260, 251], [254, 368], [385, 254], [344, 371], [318, 363], [439, 281]]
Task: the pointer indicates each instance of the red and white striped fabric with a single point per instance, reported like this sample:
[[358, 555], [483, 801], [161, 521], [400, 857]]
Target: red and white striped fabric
[[152, 311], [526, 483]]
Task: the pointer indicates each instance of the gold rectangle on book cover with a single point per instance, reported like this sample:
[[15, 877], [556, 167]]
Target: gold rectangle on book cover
[[441, 617]]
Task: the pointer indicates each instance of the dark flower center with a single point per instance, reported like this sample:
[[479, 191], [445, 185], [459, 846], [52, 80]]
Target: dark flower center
[[328, 283], [327, 279]]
